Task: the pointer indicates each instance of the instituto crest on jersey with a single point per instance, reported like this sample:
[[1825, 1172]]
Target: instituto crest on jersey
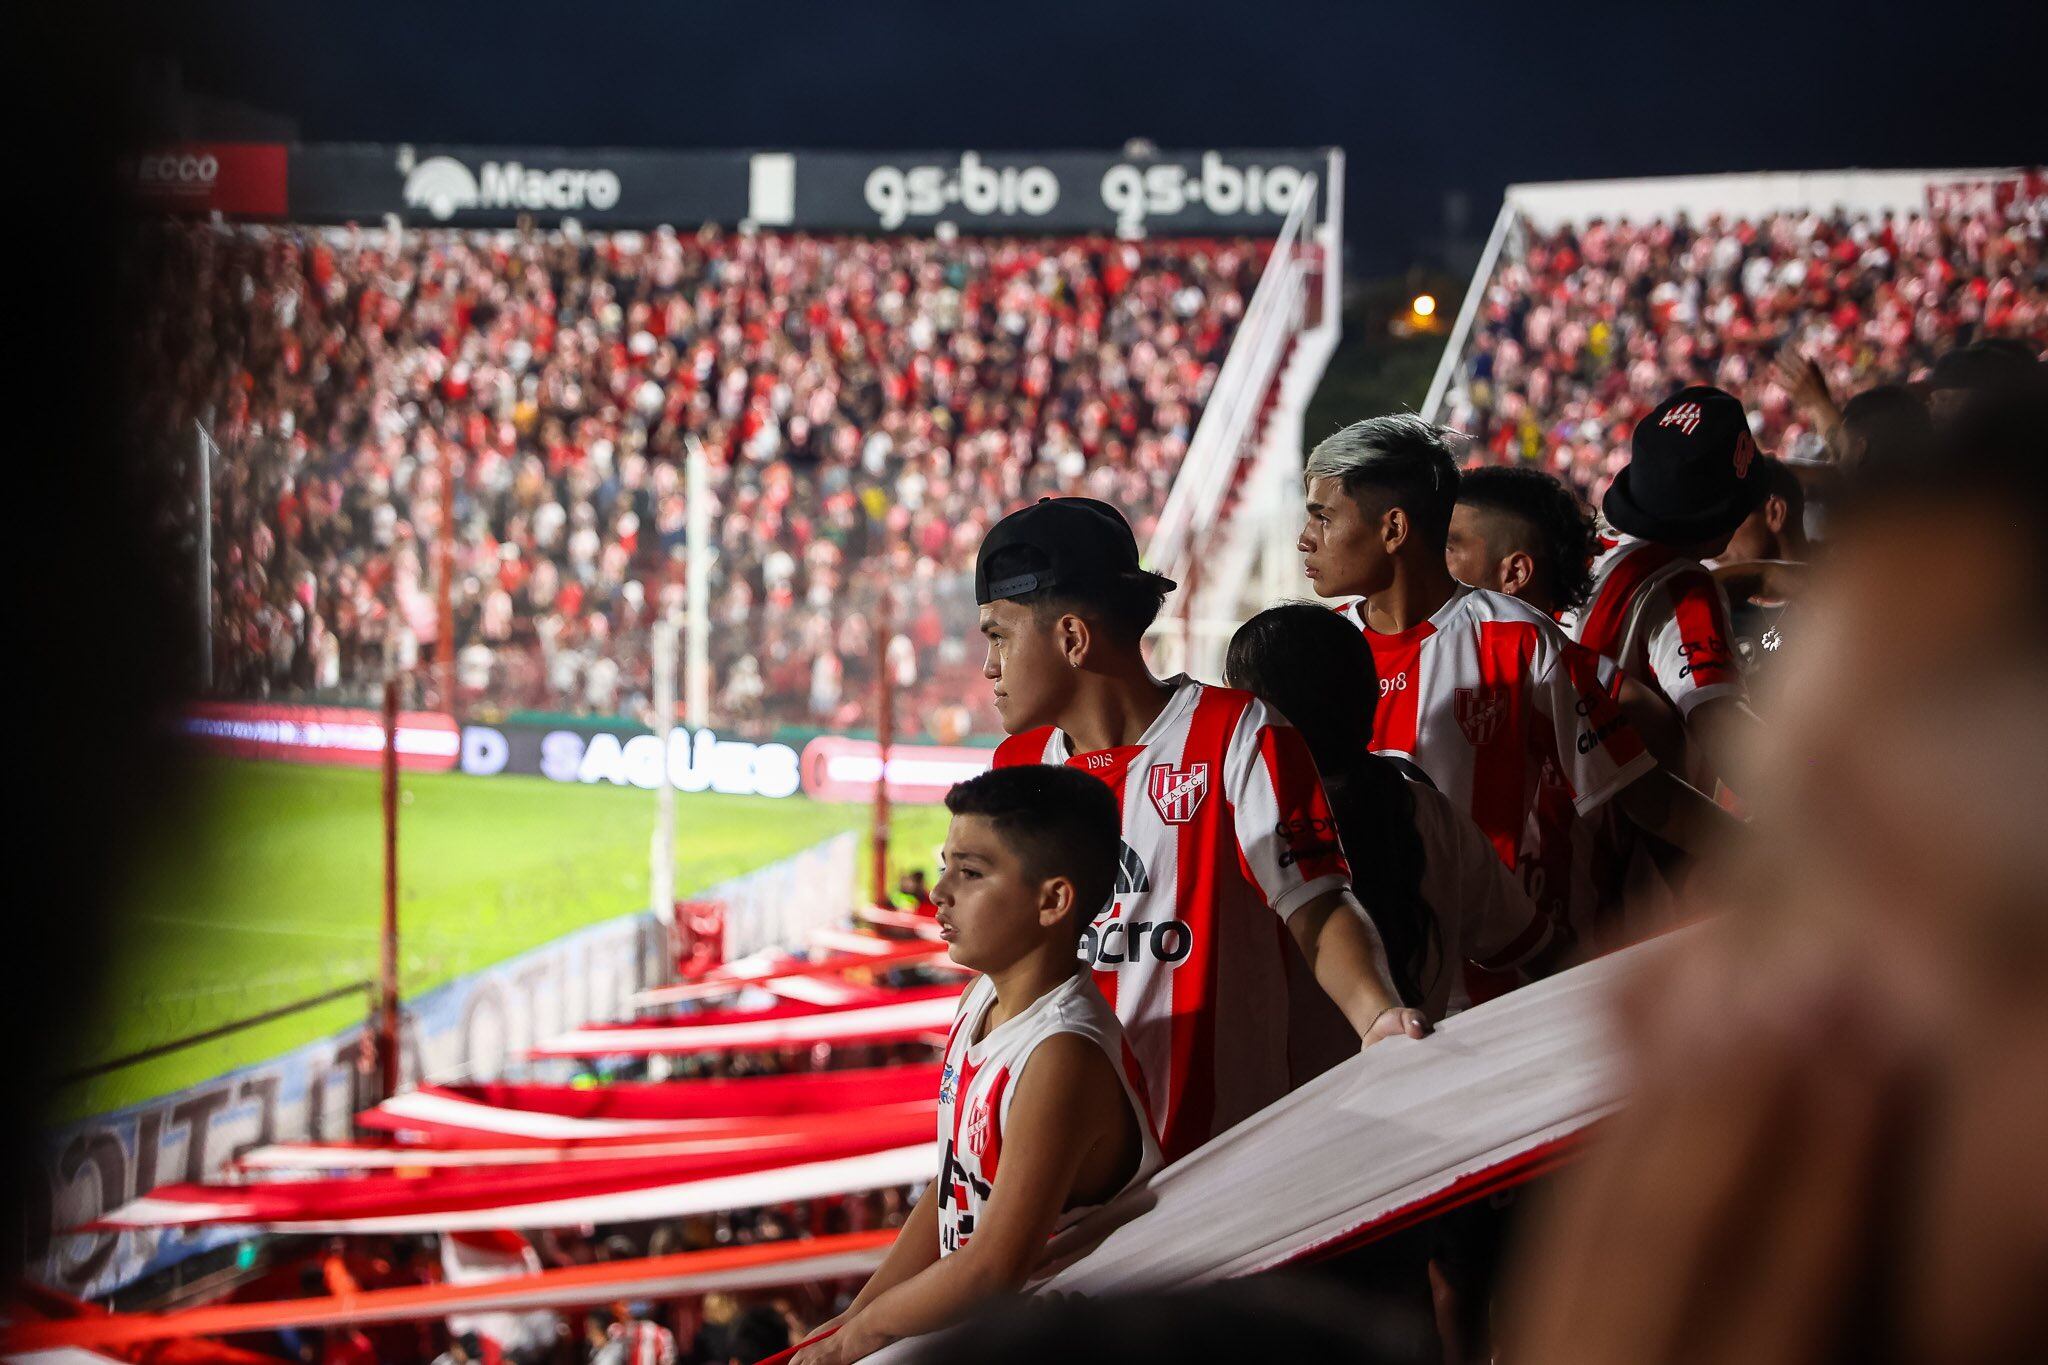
[[1177, 793], [977, 1128], [1480, 712]]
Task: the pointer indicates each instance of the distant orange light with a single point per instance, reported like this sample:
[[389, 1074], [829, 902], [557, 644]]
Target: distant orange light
[[1424, 305]]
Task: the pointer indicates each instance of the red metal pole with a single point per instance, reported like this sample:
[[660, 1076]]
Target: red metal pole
[[387, 1000], [885, 735], [444, 574]]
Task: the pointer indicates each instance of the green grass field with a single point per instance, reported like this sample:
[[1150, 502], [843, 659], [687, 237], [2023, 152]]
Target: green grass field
[[268, 889]]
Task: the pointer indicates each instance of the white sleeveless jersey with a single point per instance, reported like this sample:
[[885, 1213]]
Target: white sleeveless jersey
[[979, 1079]]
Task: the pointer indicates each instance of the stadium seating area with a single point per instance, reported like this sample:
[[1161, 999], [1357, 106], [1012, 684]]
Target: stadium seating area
[[867, 407], [1581, 330]]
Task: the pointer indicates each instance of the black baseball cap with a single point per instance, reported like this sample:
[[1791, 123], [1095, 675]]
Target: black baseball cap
[[1082, 541], [1689, 475]]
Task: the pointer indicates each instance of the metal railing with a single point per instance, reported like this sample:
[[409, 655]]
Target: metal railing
[[1231, 414]]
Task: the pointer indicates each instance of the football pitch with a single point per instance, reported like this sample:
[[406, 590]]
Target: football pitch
[[268, 889]]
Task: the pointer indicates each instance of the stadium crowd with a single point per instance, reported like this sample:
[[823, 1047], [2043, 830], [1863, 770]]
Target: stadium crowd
[[866, 407], [1582, 329]]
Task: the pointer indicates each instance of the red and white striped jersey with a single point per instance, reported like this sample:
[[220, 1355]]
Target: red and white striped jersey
[[980, 1078], [1664, 619], [1571, 864], [1480, 694], [1227, 832]]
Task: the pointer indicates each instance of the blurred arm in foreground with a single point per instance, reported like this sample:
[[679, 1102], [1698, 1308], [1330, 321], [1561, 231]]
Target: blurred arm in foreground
[[1833, 1151]]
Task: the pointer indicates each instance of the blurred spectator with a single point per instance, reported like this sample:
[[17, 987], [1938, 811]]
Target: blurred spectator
[[866, 407]]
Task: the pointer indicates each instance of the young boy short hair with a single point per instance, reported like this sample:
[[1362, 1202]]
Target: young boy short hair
[[1041, 1109]]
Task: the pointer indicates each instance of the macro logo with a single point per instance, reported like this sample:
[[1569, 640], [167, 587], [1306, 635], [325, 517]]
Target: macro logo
[[444, 187]]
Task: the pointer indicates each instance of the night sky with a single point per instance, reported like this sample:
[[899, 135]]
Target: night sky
[[1428, 100]]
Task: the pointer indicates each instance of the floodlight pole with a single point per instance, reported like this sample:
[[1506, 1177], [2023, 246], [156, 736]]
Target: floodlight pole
[[885, 736], [444, 574], [697, 620], [205, 558], [661, 893], [387, 975]]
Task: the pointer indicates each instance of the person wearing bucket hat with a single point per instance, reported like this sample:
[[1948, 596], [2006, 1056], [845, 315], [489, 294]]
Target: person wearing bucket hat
[[1226, 830], [1692, 478]]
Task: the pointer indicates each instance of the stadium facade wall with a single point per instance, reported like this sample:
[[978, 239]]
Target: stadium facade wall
[[466, 1029], [1209, 191]]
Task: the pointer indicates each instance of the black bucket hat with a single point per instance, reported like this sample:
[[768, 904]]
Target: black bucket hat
[[1689, 475], [1081, 541]]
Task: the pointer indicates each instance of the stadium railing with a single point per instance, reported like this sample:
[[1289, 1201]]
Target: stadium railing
[[1224, 534]]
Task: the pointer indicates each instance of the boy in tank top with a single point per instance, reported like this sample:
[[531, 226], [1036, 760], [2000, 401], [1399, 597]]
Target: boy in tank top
[[1042, 1110]]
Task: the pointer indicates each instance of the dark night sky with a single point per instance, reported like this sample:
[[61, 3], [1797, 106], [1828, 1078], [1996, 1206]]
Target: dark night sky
[[1426, 99]]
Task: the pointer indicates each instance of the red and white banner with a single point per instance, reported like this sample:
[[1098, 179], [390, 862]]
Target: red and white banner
[[550, 1196], [502, 1114], [839, 769], [729, 1269], [773, 972], [428, 741], [1398, 1134], [890, 1123], [910, 1014]]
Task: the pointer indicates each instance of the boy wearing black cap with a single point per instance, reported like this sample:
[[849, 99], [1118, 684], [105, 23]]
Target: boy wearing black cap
[[1655, 610], [1225, 825]]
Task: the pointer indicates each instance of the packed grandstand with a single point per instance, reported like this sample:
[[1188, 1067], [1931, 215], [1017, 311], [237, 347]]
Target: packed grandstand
[[1590, 315], [869, 407]]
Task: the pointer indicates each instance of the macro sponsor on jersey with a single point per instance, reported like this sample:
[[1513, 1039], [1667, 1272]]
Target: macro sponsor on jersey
[[1113, 941], [1136, 193], [972, 188]]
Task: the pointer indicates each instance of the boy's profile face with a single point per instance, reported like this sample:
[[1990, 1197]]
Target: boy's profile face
[[1344, 552], [992, 909], [1029, 675]]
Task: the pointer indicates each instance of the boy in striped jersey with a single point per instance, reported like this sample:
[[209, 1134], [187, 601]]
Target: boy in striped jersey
[[1477, 689], [1522, 532], [1232, 879]]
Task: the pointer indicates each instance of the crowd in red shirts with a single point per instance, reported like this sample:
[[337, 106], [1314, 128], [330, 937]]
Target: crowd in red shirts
[[867, 408], [1582, 330]]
